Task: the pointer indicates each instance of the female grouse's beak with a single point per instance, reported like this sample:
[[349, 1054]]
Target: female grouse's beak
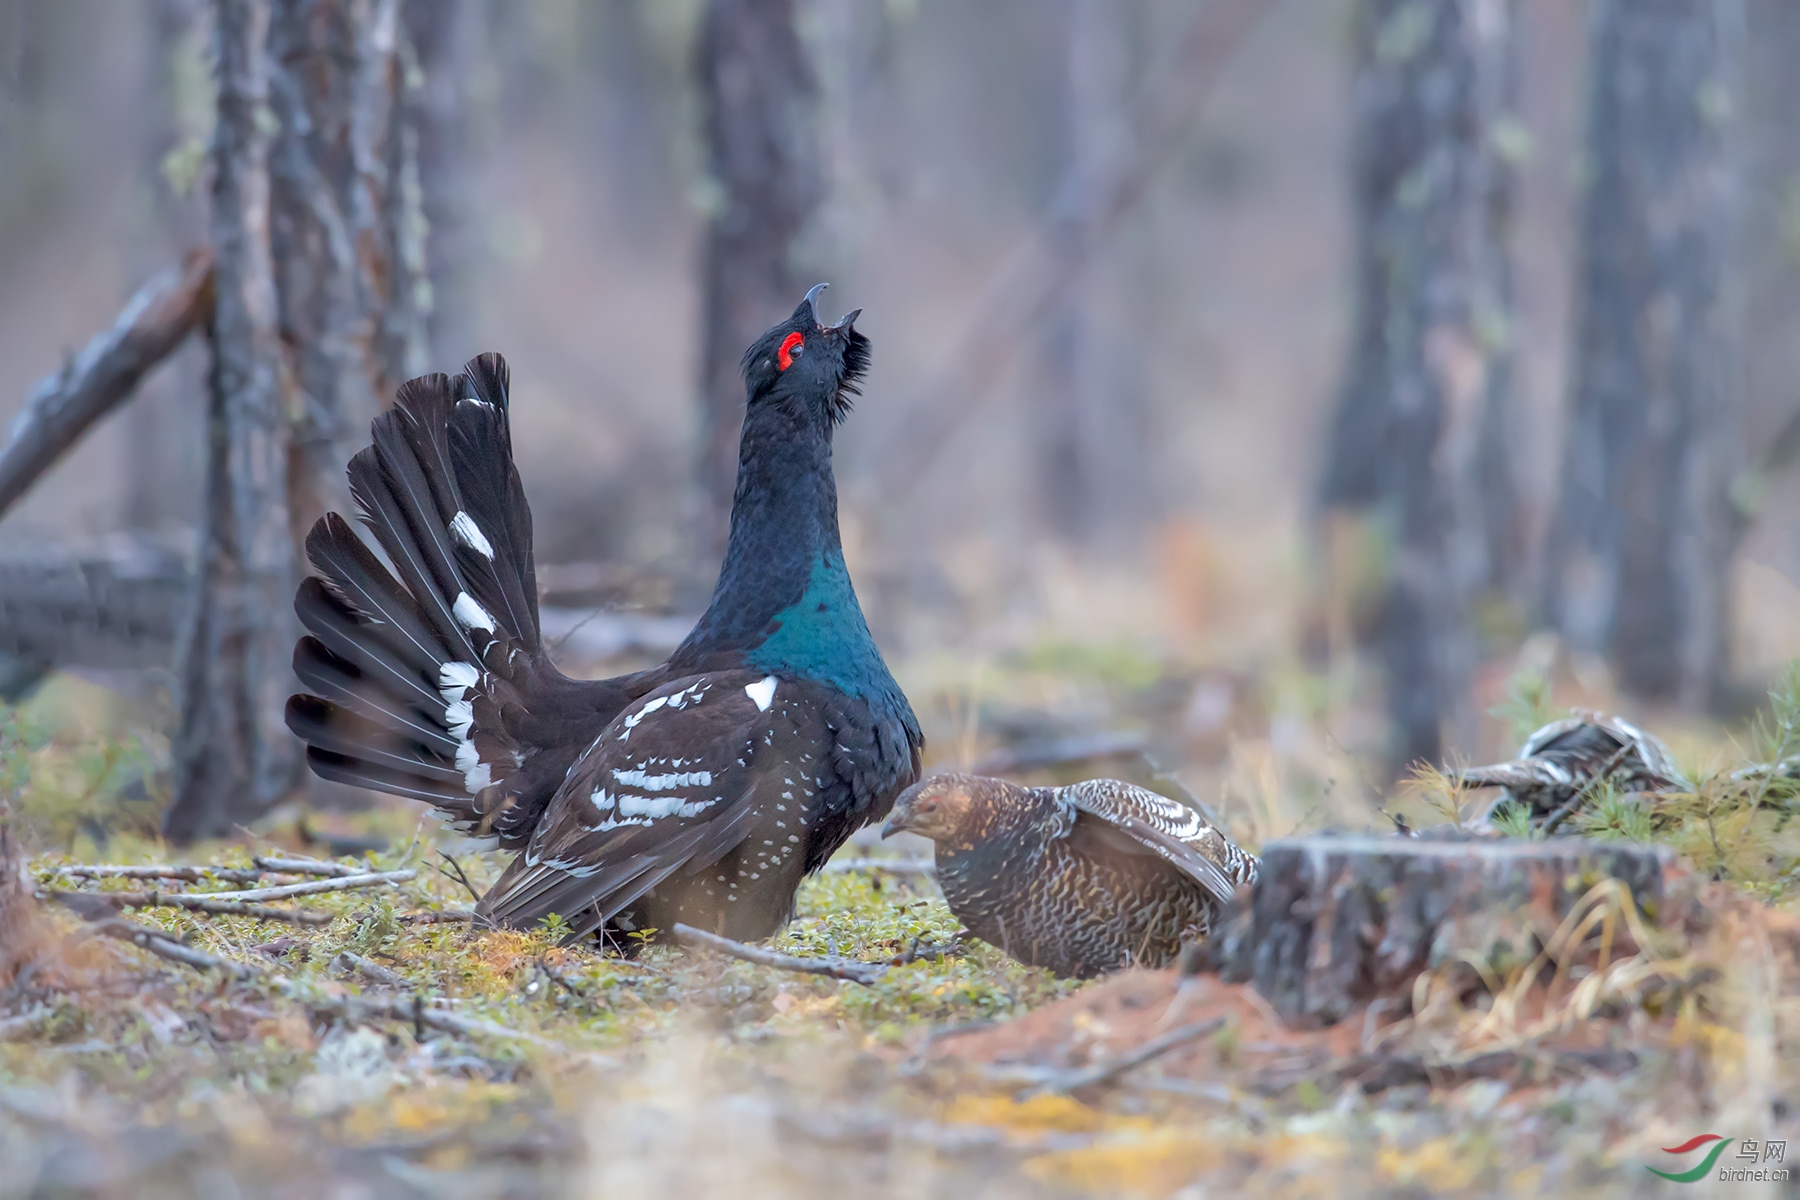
[[895, 824]]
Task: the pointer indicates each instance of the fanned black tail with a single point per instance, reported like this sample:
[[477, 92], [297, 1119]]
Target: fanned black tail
[[423, 684]]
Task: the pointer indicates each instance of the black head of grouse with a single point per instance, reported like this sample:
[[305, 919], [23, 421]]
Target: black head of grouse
[[1080, 880], [699, 791]]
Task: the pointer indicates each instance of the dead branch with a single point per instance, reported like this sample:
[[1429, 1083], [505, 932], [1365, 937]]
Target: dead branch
[[93, 383], [205, 904], [306, 866], [342, 883], [368, 969], [1105, 1072], [445, 916], [163, 871], [893, 866], [164, 946], [831, 967]]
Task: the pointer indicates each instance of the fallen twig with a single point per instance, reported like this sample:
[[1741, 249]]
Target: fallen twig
[[368, 969], [832, 967], [206, 904], [1105, 1072], [442, 916], [164, 946], [342, 883], [164, 871], [1556, 819], [307, 866], [894, 866], [413, 1009]]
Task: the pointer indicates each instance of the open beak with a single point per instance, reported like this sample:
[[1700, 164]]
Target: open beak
[[812, 302]]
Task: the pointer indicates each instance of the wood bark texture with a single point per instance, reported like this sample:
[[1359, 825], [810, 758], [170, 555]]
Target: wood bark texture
[[69, 403], [759, 98], [1641, 545], [1418, 445], [232, 756], [1338, 922], [347, 233]]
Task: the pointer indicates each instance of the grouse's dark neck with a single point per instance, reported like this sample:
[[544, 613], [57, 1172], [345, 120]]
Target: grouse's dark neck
[[784, 533]]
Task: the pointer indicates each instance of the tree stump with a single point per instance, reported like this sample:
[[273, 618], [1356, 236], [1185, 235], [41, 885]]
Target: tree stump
[[1336, 922]]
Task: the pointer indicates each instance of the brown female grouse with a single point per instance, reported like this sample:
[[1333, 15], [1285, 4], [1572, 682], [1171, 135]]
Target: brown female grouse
[[1081, 879]]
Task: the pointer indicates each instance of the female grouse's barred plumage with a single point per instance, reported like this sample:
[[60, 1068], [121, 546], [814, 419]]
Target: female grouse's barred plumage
[[698, 791], [1081, 879], [1566, 761]]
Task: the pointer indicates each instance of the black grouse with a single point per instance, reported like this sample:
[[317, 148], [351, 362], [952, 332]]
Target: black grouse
[[698, 791], [1560, 766], [1081, 879]]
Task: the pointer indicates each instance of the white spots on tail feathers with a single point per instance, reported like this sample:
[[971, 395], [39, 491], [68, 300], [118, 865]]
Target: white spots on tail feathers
[[476, 401], [459, 715], [476, 774], [471, 615], [456, 682], [457, 677], [762, 692], [464, 530], [662, 783]]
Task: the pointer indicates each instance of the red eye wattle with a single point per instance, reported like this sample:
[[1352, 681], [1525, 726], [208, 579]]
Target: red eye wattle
[[790, 345]]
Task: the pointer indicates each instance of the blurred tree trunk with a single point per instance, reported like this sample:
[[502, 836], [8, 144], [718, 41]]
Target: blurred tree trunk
[[759, 98], [1640, 551], [232, 756], [446, 36], [1419, 446], [346, 230], [320, 315], [1089, 422], [162, 459], [1769, 256]]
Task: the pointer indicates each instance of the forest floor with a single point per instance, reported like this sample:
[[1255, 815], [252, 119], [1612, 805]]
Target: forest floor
[[375, 1053]]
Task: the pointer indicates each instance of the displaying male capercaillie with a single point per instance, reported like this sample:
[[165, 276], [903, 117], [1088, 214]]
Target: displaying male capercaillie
[[1567, 761], [1081, 879], [699, 791]]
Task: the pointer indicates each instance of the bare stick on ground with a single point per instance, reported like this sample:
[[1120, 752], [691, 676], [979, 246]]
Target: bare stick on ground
[[1105, 1072], [342, 883], [833, 968], [306, 866], [93, 383], [164, 946], [445, 916], [205, 904], [369, 969], [163, 871]]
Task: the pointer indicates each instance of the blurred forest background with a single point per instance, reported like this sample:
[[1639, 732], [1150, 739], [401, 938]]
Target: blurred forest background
[[1274, 386]]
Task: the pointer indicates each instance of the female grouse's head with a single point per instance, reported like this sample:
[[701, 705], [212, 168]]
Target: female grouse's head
[[805, 361], [960, 811]]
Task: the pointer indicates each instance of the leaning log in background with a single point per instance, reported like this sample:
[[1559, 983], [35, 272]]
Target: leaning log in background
[[1337, 922], [105, 374]]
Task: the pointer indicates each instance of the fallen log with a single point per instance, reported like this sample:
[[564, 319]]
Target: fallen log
[[93, 383], [116, 604], [1338, 922]]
